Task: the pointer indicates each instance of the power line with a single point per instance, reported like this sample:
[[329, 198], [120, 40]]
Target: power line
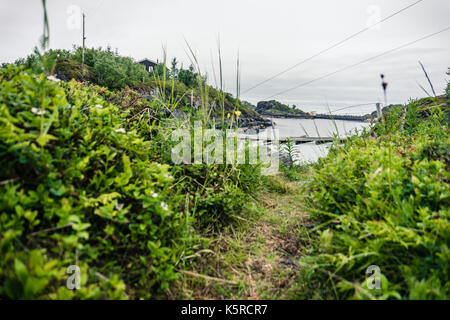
[[358, 105], [354, 106], [359, 63], [332, 47]]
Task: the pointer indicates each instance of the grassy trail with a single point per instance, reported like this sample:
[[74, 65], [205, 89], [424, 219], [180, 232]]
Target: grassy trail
[[254, 259]]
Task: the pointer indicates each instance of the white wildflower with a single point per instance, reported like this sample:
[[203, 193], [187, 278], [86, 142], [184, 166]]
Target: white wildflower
[[99, 106], [37, 111], [53, 78], [164, 206], [119, 206], [121, 130], [154, 195]]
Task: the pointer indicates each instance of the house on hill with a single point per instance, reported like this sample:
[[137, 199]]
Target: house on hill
[[149, 64]]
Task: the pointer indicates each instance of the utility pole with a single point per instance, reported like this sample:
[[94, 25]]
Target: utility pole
[[84, 38], [379, 113]]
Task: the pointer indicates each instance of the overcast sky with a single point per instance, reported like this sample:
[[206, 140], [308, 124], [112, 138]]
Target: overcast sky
[[270, 36]]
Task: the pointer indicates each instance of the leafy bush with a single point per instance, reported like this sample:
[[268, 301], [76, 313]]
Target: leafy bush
[[277, 108], [87, 179], [68, 69], [102, 67], [111, 70], [385, 202], [76, 185], [188, 77]]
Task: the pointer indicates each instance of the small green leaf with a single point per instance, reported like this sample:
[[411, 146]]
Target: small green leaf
[[20, 270], [44, 138]]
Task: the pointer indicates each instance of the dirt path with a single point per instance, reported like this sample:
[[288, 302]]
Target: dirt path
[[254, 259]]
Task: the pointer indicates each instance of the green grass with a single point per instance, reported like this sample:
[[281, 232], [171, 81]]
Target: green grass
[[255, 253], [87, 179], [383, 200]]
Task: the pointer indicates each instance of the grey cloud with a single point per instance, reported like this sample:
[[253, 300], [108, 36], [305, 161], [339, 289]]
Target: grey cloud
[[269, 35]]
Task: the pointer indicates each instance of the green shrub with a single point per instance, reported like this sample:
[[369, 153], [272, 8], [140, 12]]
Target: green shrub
[[76, 185], [188, 77], [87, 179], [218, 208], [111, 70], [70, 69], [385, 202]]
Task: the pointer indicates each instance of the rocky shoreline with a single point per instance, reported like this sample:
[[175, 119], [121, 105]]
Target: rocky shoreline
[[255, 123]]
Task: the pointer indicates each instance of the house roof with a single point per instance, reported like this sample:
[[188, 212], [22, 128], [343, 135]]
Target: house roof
[[147, 60]]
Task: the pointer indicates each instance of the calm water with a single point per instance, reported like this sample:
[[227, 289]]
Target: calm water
[[310, 152]]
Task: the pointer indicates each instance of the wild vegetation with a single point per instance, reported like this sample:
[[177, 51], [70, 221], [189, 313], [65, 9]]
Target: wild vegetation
[[87, 179], [275, 108], [383, 199], [184, 88]]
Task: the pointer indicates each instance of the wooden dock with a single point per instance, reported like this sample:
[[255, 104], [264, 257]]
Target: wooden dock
[[295, 140]]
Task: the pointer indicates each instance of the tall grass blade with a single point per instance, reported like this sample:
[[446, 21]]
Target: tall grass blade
[[428, 78]]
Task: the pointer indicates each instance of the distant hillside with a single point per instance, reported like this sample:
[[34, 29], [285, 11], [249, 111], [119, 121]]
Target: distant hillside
[[248, 104], [106, 68], [275, 108]]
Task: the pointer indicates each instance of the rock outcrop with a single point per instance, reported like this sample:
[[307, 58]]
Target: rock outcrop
[[248, 118], [275, 108]]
